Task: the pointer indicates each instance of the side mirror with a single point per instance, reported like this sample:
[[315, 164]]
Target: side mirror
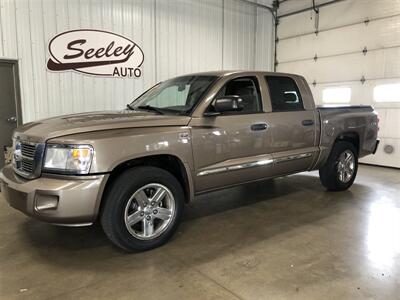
[[226, 104]]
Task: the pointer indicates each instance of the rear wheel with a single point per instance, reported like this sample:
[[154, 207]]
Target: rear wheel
[[340, 170], [142, 208]]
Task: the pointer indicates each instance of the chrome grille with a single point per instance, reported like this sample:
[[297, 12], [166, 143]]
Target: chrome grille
[[28, 150], [27, 165], [27, 159]]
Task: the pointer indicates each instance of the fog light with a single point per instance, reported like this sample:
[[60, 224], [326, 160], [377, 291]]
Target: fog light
[[46, 202]]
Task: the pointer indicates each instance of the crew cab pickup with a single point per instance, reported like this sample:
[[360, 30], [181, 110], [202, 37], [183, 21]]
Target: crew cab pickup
[[134, 169]]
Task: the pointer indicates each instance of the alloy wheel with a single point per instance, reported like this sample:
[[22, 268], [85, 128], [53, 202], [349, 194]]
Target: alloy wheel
[[149, 211], [345, 166]]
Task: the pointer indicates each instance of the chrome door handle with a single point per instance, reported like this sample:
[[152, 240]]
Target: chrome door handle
[[12, 120], [259, 126]]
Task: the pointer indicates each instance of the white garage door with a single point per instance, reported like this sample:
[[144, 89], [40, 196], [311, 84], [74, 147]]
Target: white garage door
[[350, 55]]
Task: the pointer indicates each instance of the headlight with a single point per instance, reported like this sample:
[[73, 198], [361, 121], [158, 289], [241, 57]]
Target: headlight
[[75, 159]]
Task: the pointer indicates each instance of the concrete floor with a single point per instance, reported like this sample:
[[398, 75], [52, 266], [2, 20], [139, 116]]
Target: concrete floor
[[281, 239]]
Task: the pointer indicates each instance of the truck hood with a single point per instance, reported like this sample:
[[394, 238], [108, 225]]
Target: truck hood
[[42, 130]]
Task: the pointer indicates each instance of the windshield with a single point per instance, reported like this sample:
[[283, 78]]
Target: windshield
[[177, 96]]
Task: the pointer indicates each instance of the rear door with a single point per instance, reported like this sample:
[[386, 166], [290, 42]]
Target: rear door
[[292, 125]]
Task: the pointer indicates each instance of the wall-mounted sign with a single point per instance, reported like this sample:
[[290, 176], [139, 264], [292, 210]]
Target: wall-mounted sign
[[95, 52]]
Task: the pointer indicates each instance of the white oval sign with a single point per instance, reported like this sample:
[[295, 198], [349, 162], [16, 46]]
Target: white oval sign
[[95, 52]]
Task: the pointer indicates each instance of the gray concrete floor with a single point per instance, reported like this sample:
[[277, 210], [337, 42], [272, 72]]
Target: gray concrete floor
[[281, 239]]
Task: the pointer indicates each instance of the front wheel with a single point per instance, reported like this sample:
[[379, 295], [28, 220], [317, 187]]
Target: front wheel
[[340, 170], [142, 208]]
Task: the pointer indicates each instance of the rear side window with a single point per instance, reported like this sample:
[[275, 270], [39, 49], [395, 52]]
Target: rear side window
[[284, 94]]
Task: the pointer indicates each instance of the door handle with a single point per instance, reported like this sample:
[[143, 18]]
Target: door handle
[[259, 126], [12, 120], [307, 122]]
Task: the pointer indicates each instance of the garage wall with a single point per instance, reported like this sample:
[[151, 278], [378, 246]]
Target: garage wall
[[177, 37], [334, 58]]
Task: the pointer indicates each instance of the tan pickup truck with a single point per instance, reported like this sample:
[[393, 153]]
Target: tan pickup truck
[[134, 169]]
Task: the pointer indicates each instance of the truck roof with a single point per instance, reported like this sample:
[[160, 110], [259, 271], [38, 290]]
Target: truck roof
[[230, 72]]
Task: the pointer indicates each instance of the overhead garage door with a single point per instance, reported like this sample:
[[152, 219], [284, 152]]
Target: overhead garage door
[[349, 55]]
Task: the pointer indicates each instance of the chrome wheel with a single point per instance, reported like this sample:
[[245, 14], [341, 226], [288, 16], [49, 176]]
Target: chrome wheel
[[149, 211], [346, 166]]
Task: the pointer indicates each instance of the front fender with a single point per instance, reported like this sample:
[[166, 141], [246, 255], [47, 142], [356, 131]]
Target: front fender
[[113, 147]]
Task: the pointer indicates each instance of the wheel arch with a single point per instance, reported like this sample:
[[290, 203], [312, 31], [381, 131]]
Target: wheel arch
[[326, 149], [350, 137], [168, 162]]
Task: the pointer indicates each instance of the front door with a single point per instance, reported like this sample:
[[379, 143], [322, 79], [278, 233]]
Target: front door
[[8, 108], [231, 148]]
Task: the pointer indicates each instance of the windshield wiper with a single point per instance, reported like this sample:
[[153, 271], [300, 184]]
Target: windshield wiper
[[152, 108], [130, 107]]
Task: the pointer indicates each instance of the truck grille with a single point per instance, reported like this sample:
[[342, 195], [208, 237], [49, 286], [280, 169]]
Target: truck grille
[[27, 159], [28, 150]]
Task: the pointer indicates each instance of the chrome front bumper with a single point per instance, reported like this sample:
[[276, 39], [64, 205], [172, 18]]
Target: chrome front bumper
[[60, 200]]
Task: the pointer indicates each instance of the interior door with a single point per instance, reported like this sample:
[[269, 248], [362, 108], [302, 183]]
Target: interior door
[[230, 148], [293, 127], [8, 108]]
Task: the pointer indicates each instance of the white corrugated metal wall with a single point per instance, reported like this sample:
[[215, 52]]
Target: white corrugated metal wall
[[345, 29], [177, 37]]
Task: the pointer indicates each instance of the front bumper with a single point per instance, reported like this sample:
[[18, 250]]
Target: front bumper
[[72, 200]]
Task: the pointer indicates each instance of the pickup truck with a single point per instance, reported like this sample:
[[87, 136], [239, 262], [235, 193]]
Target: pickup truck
[[134, 169]]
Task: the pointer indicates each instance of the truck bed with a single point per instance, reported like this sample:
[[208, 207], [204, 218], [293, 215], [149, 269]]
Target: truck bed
[[359, 121]]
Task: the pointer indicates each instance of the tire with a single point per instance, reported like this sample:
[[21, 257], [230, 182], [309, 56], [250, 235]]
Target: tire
[[331, 174], [129, 218]]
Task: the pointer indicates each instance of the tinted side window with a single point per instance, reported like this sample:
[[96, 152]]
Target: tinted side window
[[284, 94], [248, 90]]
